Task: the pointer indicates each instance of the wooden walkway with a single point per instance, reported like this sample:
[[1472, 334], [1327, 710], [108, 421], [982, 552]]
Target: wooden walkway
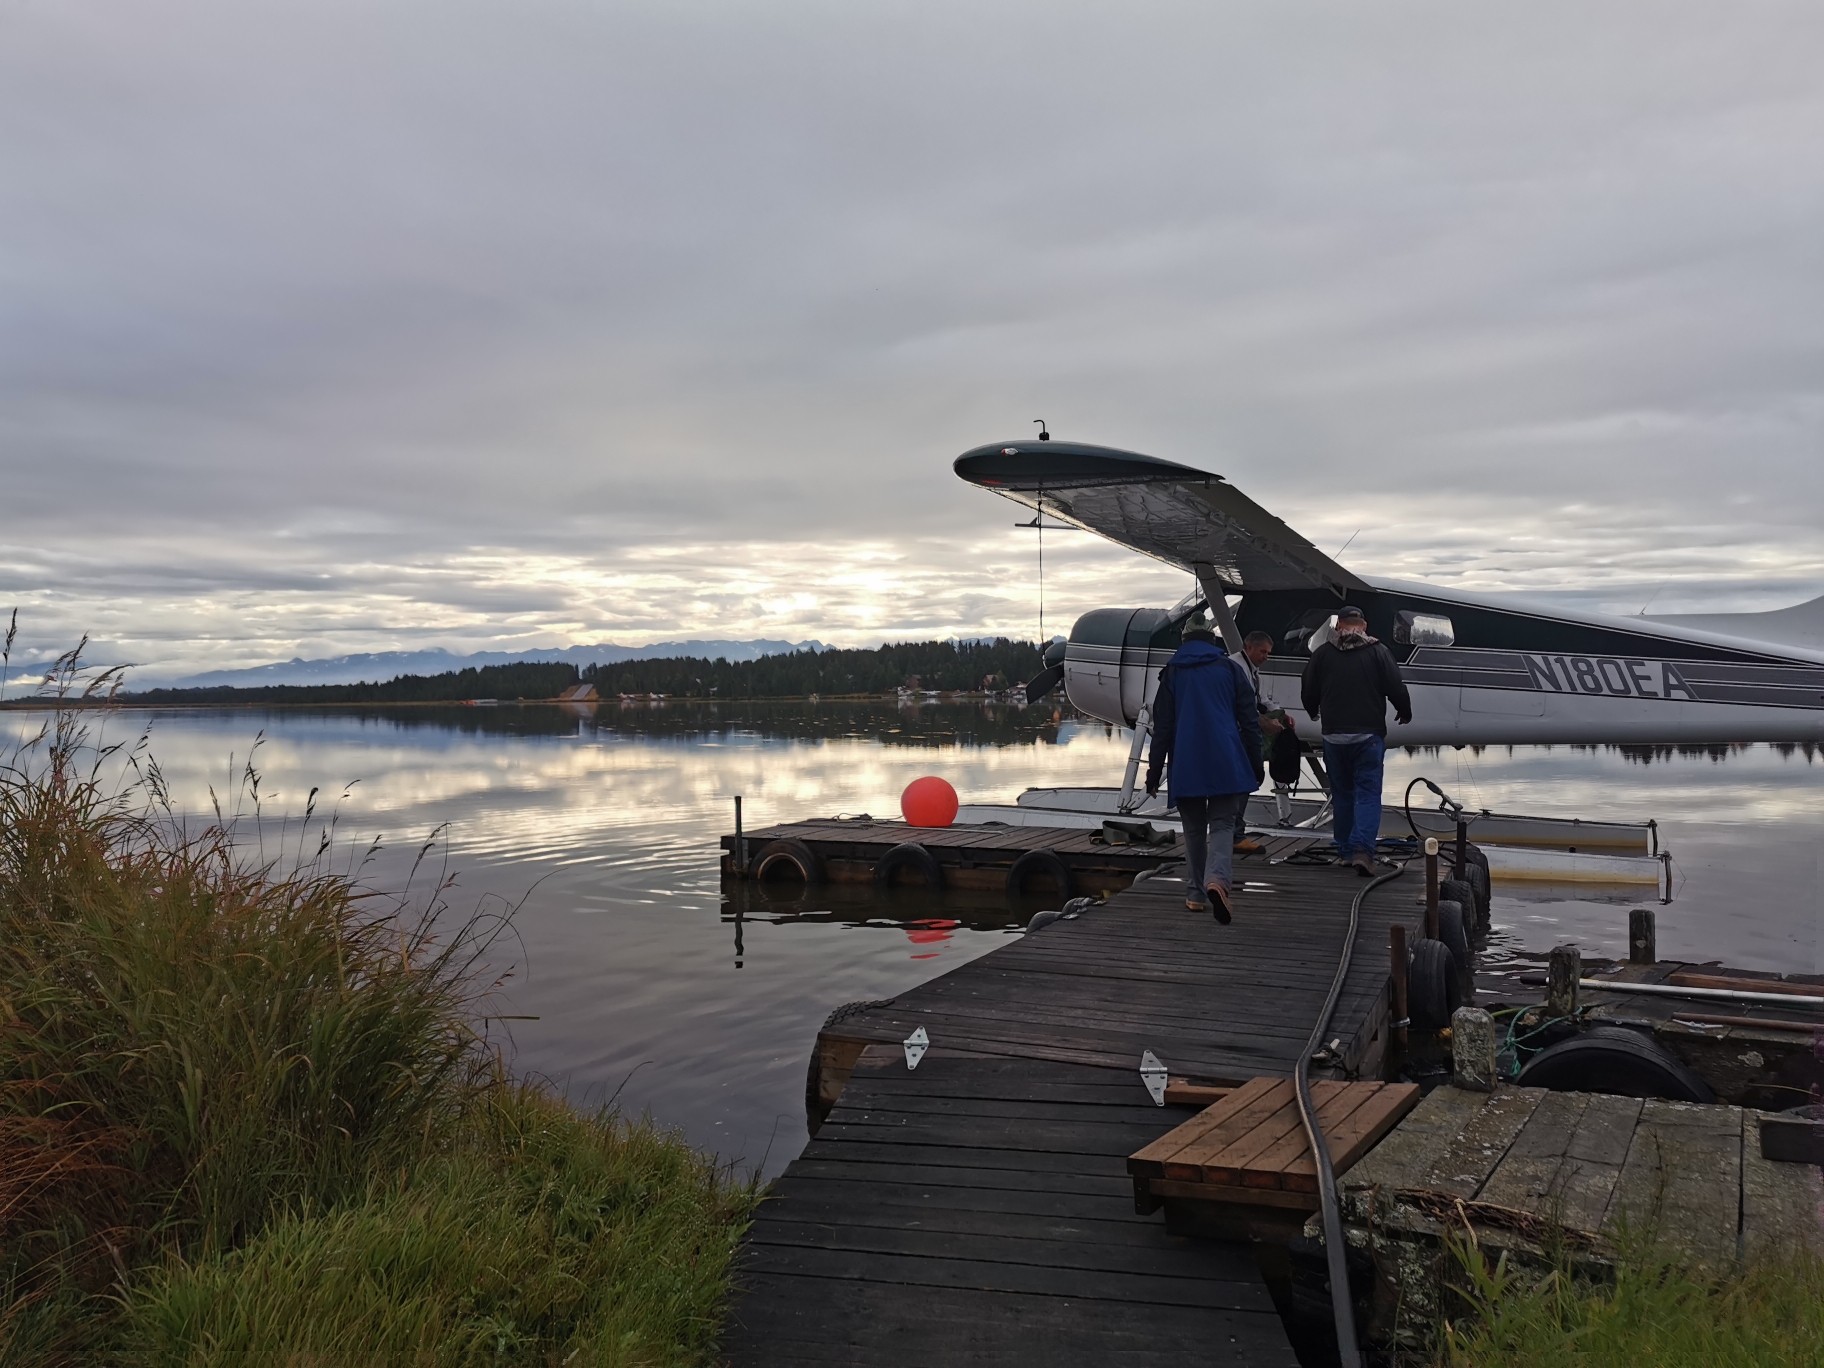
[[1217, 1004], [979, 1209]]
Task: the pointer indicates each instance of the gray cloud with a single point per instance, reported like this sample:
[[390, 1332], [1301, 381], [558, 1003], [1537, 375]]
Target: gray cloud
[[341, 327]]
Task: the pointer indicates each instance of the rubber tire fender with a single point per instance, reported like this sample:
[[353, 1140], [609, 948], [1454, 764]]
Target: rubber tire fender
[[796, 854], [1616, 1061], [1452, 932], [1483, 884], [913, 854], [1040, 862], [1432, 990], [1463, 894]]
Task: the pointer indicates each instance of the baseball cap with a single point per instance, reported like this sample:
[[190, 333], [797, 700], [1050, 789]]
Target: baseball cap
[[1349, 610]]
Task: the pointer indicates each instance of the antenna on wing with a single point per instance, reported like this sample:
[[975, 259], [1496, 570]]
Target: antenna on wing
[[1044, 436]]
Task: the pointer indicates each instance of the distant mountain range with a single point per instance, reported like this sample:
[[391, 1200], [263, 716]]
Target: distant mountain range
[[379, 666]]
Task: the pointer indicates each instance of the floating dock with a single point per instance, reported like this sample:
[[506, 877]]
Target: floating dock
[[979, 1208], [1001, 1202]]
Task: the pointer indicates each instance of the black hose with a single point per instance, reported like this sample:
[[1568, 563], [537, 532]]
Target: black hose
[[1341, 1304]]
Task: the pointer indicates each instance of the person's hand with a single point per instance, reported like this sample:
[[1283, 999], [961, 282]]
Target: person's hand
[[1404, 719], [1272, 726], [1152, 786]]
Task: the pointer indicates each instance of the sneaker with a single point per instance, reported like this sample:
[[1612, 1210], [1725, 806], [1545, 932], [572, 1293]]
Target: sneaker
[[1247, 845], [1219, 905]]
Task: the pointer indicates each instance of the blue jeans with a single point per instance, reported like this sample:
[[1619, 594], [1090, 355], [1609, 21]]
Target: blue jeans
[[1209, 840], [1355, 793]]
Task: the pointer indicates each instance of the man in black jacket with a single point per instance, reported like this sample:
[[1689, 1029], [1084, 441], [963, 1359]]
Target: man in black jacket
[[1347, 686]]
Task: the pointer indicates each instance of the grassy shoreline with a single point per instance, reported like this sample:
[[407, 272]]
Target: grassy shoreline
[[249, 1112]]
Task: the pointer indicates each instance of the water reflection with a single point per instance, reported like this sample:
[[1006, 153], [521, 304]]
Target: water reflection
[[653, 982]]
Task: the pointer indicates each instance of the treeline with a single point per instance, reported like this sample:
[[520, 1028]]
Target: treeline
[[944, 665], [527, 679]]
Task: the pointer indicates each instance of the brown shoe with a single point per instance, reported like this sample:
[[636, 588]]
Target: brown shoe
[[1363, 866], [1247, 845], [1220, 907]]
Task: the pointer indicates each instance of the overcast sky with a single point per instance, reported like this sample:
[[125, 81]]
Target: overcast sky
[[332, 327]]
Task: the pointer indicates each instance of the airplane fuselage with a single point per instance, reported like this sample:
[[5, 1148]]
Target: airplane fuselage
[[1488, 670]]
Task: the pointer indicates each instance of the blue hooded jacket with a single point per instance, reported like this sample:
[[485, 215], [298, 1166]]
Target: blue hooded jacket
[[1206, 720]]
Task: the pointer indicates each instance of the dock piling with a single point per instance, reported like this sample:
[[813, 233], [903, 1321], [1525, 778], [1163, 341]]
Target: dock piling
[[1643, 935], [740, 841], [1472, 1050], [1431, 887], [1563, 970], [1396, 937]]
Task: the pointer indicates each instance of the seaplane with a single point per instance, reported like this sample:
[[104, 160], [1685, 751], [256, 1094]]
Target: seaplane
[[1483, 668]]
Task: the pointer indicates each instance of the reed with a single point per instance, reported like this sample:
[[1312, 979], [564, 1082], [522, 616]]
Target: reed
[[248, 1112], [1658, 1310]]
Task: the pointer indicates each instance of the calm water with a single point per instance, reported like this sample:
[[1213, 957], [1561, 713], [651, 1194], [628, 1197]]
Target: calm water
[[650, 983]]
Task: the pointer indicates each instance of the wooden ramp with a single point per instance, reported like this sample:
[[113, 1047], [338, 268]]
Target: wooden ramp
[[978, 1211], [1251, 1149]]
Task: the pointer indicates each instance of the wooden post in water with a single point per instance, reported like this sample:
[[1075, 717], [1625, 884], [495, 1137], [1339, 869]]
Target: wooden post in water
[[1643, 936], [1431, 887], [1562, 971], [740, 841], [1397, 939], [1462, 856]]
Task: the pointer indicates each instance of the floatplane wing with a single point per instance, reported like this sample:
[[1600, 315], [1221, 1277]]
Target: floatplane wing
[[1174, 513], [1484, 669]]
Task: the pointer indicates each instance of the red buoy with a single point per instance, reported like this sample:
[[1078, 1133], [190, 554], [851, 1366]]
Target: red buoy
[[928, 802]]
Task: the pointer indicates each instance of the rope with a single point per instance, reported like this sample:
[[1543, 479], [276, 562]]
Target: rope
[[1348, 1353]]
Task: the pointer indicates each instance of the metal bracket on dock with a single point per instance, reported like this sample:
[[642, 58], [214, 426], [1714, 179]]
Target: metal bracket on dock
[[1153, 1074], [918, 1042]]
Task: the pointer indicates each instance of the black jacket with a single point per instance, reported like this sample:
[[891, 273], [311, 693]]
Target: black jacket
[[1349, 690]]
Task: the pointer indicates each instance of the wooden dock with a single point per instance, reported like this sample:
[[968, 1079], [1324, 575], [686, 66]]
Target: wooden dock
[[1538, 1174], [979, 1208], [848, 850]]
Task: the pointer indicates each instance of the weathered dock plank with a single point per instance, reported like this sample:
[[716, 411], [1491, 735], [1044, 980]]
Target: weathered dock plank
[[978, 1211]]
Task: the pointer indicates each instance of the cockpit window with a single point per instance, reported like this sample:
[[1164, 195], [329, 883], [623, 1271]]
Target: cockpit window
[[1423, 629]]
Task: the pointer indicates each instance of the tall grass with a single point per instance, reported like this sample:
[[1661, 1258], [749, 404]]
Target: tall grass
[[247, 1109], [1657, 1313]]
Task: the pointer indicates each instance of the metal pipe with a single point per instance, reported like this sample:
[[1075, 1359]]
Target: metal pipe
[[1723, 994], [1757, 1023], [1143, 726]]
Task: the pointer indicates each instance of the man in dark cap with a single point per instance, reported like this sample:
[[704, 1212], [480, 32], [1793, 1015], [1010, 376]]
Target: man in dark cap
[[1205, 721], [1348, 683]]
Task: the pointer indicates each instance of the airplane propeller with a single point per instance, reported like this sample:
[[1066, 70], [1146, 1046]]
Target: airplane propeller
[[1047, 679]]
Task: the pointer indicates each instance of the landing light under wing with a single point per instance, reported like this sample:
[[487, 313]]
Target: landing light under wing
[[1182, 516]]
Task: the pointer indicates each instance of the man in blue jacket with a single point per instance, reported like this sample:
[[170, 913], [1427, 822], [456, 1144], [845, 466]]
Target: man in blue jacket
[[1206, 722]]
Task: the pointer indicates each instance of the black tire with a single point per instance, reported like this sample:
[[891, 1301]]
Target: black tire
[[1046, 862], [1480, 878], [1452, 932], [1617, 1061], [909, 854], [1477, 878], [1432, 991], [1463, 895], [788, 859]]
